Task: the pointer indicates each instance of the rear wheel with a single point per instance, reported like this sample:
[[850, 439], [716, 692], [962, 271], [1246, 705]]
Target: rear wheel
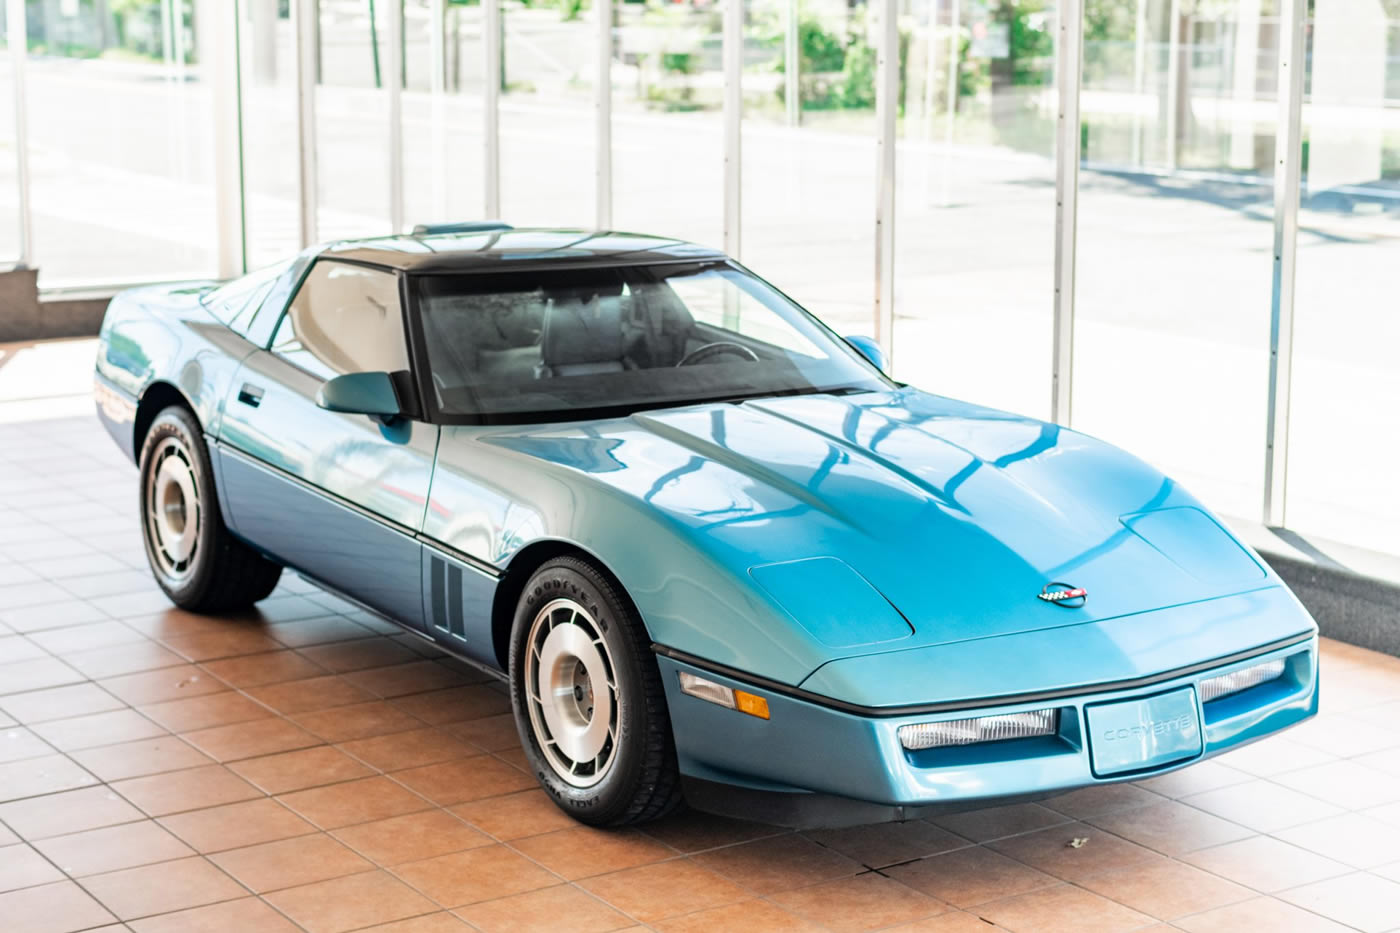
[[198, 564], [588, 699]]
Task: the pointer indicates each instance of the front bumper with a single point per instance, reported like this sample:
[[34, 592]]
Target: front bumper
[[811, 764]]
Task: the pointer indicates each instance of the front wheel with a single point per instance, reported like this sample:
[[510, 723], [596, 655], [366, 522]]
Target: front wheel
[[588, 698], [198, 564]]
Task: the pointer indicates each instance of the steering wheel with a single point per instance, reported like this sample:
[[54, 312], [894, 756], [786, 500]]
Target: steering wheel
[[720, 348]]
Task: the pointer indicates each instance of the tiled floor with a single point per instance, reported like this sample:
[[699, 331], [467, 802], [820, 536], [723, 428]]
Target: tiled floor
[[310, 767]]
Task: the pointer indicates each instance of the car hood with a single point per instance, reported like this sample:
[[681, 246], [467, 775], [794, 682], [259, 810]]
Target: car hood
[[957, 515]]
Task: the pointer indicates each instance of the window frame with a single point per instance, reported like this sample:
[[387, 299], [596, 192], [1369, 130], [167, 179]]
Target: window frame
[[411, 340]]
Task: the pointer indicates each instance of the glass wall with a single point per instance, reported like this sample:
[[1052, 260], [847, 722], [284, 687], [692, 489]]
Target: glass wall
[[975, 216], [120, 142], [1175, 239], [808, 175], [1175, 261], [1344, 442]]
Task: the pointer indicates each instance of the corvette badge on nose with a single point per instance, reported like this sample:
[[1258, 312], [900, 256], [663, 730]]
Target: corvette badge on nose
[[1062, 594]]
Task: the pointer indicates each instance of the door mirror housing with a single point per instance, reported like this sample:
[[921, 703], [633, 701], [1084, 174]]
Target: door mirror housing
[[868, 348], [374, 394]]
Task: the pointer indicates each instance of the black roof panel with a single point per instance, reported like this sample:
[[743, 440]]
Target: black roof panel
[[501, 249]]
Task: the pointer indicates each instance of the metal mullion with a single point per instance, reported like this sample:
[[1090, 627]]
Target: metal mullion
[[1288, 174], [886, 109], [18, 38], [492, 40], [733, 56], [603, 106], [394, 87], [1068, 57], [306, 53]]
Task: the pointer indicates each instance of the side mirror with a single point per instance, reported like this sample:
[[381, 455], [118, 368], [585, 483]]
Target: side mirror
[[868, 348], [370, 394]]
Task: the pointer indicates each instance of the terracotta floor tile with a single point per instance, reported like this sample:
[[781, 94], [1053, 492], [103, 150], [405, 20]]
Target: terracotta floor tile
[[205, 712], [582, 851], [412, 837], [1262, 806], [346, 804], [211, 646], [884, 844], [176, 791], [1344, 783], [861, 902], [1166, 890], [515, 816], [142, 757], [1171, 827], [309, 695], [132, 658], [456, 704], [245, 915], [97, 729], [1351, 838], [1265, 864], [778, 863], [403, 679], [997, 822], [691, 831], [1063, 909], [666, 889], [159, 686], [48, 774], [290, 862], [453, 782], [36, 674], [59, 703], [317, 631], [350, 902], [22, 867], [1262, 914], [300, 769], [112, 848], [492, 733], [255, 670], [1101, 799], [1198, 778], [1049, 850], [970, 876], [346, 723], [752, 915], [412, 749], [70, 812], [251, 739], [236, 825], [546, 910], [344, 656], [52, 908], [474, 875], [161, 888], [17, 744]]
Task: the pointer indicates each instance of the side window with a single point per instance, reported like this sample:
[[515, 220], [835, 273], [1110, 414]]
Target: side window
[[344, 319]]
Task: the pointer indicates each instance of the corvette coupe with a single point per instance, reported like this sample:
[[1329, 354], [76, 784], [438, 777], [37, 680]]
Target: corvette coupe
[[717, 554]]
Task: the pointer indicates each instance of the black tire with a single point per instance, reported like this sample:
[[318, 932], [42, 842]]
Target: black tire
[[640, 780], [206, 569]]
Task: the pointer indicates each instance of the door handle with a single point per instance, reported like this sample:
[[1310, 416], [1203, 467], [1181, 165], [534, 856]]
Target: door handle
[[250, 394]]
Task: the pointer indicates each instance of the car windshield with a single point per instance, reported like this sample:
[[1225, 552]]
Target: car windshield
[[562, 342]]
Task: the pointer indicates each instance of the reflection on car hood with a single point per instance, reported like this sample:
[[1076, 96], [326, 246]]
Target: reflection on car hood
[[957, 514]]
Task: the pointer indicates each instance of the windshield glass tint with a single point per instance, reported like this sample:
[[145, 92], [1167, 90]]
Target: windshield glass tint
[[556, 342]]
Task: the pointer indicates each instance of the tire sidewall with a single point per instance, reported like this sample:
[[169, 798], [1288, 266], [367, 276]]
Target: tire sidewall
[[178, 423], [610, 797]]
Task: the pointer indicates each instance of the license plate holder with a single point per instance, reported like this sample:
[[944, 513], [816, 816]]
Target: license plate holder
[[1145, 733]]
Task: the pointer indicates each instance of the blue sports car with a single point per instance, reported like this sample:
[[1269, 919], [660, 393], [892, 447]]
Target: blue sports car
[[718, 555]]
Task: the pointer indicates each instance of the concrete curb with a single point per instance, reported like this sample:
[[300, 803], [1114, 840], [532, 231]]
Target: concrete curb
[[1350, 607]]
